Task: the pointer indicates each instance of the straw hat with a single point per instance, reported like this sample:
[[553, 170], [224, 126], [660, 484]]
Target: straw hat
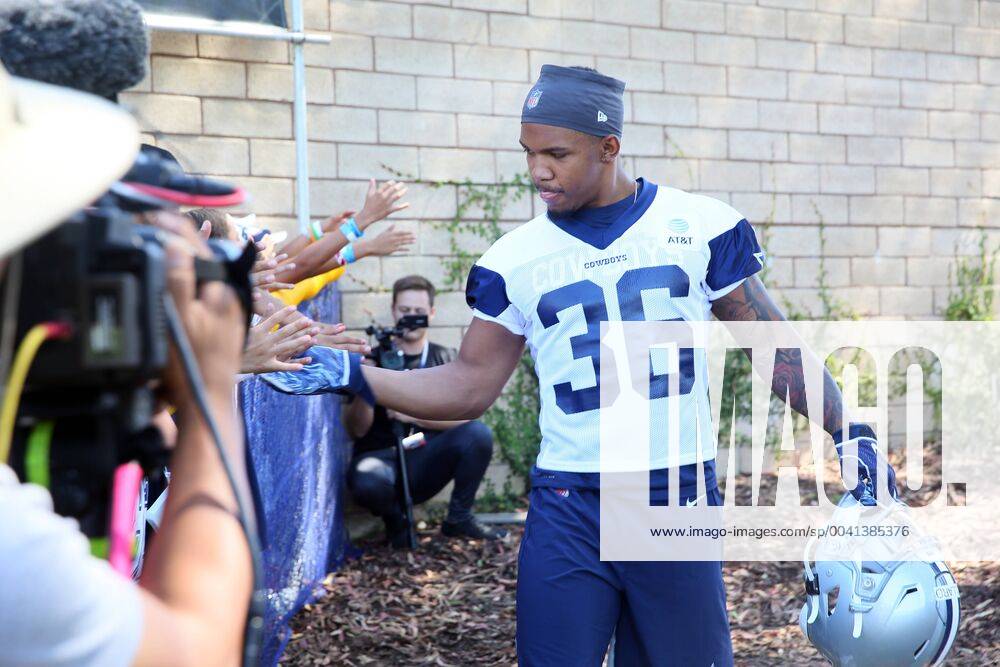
[[59, 150]]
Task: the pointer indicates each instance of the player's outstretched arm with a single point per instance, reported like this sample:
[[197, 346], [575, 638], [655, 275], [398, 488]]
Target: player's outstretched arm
[[461, 389], [750, 302]]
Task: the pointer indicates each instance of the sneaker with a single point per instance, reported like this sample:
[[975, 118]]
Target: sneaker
[[472, 528]]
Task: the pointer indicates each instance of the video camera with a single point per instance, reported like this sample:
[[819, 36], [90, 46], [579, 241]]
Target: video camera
[[389, 355], [89, 397]]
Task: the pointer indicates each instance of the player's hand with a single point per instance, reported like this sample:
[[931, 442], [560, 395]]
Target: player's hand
[[863, 452], [278, 350], [332, 335], [389, 241], [380, 202], [211, 313]]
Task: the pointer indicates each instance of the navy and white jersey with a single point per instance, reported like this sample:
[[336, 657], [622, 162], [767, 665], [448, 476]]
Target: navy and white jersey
[[553, 280]]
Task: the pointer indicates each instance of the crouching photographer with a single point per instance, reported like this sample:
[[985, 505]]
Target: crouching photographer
[[59, 604], [449, 450]]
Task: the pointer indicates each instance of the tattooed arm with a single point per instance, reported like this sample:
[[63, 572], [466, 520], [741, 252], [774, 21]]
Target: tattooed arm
[[751, 302]]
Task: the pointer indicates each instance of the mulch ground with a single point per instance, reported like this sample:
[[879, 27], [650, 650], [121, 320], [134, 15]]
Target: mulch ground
[[451, 602]]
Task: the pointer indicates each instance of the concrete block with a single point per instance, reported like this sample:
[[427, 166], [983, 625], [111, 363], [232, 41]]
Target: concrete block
[[954, 125], [369, 89], [244, 118], [758, 83], [276, 157], [807, 87], [928, 153], [491, 63], [901, 122], [330, 123], [366, 17], [417, 128], [927, 95], [728, 113], [932, 211], [757, 145], [836, 179], [450, 25], [902, 181], [843, 59], [865, 31], [195, 76], [814, 208], [787, 116], [790, 178], [844, 119], [208, 155], [343, 52], [443, 164], [817, 149], [872, 92], [382, 162], [435, 94], [277, 83], [409, 56], [164, 113], [904, 241], [814, 27], [956, 182], [876, 210], [782, 54]]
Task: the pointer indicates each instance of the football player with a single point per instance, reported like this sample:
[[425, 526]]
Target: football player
[[608, 248]]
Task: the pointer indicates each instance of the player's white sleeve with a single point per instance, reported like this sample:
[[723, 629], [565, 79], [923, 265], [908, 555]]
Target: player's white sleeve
[[486, 294], [734, 256]]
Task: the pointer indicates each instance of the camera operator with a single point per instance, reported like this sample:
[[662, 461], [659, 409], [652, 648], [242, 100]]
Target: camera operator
[[59, 605], [454, 450]]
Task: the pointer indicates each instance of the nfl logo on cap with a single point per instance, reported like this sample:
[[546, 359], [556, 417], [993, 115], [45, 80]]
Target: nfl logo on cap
[[533, 98]]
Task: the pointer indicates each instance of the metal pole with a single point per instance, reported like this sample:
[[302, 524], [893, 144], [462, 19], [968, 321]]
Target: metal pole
[[242, 29], [299, 116]]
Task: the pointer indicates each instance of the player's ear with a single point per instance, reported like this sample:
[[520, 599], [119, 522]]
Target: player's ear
[[610, 148]]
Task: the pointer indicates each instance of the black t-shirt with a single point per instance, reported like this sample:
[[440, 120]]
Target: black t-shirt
[[380, 435]]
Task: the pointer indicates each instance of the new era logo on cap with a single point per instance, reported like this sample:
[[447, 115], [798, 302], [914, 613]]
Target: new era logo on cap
[[601, 116]]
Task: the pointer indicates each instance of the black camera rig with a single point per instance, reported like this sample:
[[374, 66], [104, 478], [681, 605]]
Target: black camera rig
[[389, 355]]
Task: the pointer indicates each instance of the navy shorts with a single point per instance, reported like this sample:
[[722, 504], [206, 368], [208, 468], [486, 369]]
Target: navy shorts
[[569, 602]]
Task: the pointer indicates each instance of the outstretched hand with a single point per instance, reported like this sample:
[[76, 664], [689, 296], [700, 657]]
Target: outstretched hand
[[380, 202], [268, 351], [389, 241]]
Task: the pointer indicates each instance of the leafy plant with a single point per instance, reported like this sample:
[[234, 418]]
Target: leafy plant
[[971, 297], [514, 417]]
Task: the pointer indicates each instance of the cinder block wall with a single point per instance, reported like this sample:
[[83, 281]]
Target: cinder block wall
[[880, 118]]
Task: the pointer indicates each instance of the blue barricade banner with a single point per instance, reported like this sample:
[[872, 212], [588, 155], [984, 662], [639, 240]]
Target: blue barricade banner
[[297, 455]]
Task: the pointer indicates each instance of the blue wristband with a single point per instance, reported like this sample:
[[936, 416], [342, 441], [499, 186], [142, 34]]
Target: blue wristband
[[350, 229], [347, 253], [356, 383]]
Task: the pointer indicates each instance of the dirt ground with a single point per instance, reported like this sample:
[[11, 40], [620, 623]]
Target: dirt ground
[[451, 602]]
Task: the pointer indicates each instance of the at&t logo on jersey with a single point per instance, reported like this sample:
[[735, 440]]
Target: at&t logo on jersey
[[678, 226]]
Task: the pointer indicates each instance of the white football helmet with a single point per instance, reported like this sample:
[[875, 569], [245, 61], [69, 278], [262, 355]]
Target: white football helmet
[[880, 613]]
